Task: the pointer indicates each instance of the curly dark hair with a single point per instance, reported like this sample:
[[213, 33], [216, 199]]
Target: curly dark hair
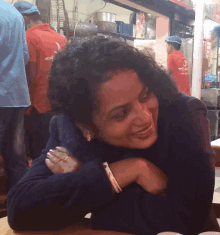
[[78, 71]]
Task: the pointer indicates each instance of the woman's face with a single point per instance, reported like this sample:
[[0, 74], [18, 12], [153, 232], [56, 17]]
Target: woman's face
[[128, 111]]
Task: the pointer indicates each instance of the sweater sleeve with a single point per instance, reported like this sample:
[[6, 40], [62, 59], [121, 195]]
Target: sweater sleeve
[[186, 205], [46, 201]]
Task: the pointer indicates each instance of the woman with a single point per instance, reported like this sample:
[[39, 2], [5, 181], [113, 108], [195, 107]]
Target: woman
[[154, 139]]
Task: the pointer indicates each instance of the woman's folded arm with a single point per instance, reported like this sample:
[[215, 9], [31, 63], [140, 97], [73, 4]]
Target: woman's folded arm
[[43, 200], [185, 206]]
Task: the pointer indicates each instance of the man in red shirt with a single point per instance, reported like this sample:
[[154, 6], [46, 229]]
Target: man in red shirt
[[177, 64], [43, 44]]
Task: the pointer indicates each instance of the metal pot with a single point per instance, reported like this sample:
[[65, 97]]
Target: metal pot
[[84, 29], [104, 16], [106, 27]]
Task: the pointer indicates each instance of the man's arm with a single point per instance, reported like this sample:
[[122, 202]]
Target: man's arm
[[31, 70], [25, 46], [170, 66], [31, 67]]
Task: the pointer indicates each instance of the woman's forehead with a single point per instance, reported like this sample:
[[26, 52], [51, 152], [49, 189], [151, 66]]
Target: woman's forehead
[[121, 79], [122, 88]]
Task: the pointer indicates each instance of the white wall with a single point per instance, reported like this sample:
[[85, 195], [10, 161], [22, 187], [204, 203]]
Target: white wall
[[162, 31], [14, 1], [86, 7]]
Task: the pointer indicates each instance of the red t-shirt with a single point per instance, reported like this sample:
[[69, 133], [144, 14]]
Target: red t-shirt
[[177, 63], [43, 44]]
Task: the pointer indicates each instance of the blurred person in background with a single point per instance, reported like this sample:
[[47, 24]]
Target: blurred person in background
[[14, 94], [43, 44], [177, 65]]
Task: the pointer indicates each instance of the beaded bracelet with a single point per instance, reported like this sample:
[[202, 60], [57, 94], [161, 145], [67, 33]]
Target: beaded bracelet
[[112, 178]]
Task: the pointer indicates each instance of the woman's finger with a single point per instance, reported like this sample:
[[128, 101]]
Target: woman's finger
[[61, 155], [57, 153], [50, 164], [53, 158], [62, 149], [55, 168]]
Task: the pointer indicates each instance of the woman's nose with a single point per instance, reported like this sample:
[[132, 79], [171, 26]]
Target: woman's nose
[[142, 114]]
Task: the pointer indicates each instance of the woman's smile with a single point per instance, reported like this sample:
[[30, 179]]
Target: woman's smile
[[128, 111], [144, 133]]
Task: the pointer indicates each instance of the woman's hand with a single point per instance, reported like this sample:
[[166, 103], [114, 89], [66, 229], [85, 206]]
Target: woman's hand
[[151, 178], [140, 171], [60, 161]]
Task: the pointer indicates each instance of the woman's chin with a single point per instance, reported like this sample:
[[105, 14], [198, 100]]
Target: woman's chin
[[133, 142], [143, 143]]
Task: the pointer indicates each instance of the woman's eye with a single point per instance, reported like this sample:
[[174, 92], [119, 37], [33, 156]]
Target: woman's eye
[[146, 96], [120, 115]]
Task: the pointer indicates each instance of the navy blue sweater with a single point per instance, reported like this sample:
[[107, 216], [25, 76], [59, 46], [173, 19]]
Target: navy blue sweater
[[42, 200]]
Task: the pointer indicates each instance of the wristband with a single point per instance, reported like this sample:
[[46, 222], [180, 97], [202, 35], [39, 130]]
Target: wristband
[[112, 178]]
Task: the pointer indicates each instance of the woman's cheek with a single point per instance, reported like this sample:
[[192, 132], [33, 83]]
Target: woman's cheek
[[152, 103], [117, 130]]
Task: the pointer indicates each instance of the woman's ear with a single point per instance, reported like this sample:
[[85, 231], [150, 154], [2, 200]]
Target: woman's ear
[[87, 132]]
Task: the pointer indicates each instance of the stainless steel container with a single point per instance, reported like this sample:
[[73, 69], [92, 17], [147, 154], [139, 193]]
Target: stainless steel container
[[211, 97], [106, 27], [213, 117], [104, 16], [84, 29]]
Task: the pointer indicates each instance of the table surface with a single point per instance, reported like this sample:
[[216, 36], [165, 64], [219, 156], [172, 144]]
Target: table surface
[[72, 230], [6, 230]]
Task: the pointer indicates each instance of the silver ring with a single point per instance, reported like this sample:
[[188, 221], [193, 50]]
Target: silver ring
[[66, 158]]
